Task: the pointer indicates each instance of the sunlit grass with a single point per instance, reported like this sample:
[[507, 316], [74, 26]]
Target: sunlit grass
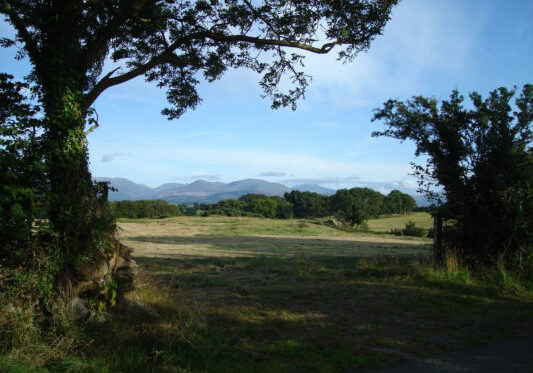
[[387, 223]]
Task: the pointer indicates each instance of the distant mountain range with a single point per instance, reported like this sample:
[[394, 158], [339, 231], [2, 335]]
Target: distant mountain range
[[202, 191]]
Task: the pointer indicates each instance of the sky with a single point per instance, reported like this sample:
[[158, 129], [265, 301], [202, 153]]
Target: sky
[[428, 48]]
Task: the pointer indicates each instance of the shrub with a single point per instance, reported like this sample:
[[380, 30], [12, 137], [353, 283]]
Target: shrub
[[410, 230]]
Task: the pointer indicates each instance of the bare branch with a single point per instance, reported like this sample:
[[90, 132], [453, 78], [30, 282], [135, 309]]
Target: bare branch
[[93, 127]]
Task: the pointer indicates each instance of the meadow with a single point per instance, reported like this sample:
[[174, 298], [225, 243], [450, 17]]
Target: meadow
[[263, 295], [387, 223]]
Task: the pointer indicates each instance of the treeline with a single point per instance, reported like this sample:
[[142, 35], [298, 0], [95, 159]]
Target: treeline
[[257, 205], [354, 205], [143, 209]]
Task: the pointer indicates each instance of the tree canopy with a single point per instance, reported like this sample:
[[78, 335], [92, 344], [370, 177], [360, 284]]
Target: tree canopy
[[356, 205], [479, 168], [173, 42]]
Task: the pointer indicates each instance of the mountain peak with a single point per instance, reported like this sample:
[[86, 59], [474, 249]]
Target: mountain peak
[[201, 191]]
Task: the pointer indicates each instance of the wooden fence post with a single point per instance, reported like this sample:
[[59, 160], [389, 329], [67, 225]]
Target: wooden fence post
[[438, 255]]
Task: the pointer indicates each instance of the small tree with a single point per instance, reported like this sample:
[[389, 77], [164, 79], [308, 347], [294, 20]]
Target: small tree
[[479, 168], [356, 205]]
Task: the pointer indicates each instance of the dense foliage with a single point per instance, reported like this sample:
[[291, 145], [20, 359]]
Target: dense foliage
[[143, 209], [479, 169], [308, 204], [22, 182], [355, 205]]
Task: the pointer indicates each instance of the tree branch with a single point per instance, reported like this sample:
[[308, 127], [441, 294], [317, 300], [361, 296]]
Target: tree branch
[[168, 57], [93, 127], [16, 21], [325, 48], [108, 81], [102, 37]]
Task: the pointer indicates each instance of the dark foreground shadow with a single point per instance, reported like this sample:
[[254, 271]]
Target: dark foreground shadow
[[508, 356]]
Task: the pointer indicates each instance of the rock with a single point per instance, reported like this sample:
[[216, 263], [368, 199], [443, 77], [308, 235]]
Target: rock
[[335, 223], [79, 310], [94, 281]]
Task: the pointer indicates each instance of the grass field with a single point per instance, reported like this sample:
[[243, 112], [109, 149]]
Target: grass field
[[216, 236], [385, 224], [260, 295]]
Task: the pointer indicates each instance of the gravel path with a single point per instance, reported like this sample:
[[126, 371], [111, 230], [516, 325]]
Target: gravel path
[[514, 356]]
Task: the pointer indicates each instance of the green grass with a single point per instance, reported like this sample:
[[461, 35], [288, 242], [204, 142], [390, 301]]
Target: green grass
[[387, 223], [239, 226], [269, 299]]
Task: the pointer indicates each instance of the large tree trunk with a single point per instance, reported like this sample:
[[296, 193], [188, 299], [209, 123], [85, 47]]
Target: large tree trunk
[[70, 181], [63, 79]]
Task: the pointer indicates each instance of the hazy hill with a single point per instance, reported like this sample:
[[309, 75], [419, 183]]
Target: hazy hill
[[315, 189], [127, 189], [202, 191]]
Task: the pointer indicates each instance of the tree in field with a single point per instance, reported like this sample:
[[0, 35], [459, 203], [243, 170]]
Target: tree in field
[[397, 202], [481, 161], [356, 205], [392, 203], [408, 203], [70, 44], [307, 204]]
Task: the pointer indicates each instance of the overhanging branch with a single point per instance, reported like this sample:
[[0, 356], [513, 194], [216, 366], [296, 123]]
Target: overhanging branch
[[95, 47], [168, 56]]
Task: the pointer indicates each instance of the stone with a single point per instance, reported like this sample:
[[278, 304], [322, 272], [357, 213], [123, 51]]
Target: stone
[[79, 311]]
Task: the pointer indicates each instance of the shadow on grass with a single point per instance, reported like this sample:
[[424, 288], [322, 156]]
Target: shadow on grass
[[298, 314], [329, 285], [320, 314], [283, 246]]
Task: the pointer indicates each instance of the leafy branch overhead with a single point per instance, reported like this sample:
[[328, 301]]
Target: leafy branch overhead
[[176, 43]]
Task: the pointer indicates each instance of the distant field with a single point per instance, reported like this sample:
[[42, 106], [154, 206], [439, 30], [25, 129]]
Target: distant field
[[246, 237], [385, 224]]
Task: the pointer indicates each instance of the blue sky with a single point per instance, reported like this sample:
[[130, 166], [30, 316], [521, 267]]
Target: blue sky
[[428, 47]]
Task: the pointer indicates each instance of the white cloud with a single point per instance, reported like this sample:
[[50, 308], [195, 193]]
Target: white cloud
[[111, 156], [167, 160], [422, 37], [272, 174], [326, 180]]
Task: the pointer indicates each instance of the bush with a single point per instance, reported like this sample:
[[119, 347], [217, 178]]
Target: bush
[[157, 209], [410, 230]]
